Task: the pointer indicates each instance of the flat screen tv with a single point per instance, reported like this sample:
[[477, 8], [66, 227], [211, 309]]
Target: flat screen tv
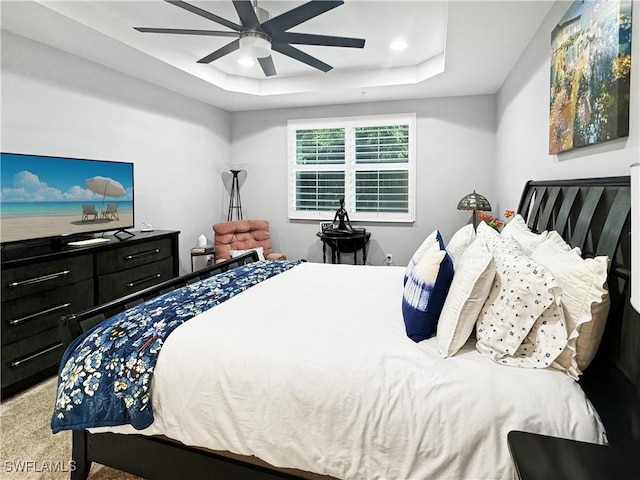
[[52, 197]]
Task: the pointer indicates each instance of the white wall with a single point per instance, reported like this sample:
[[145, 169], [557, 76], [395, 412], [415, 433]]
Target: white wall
[[54, 103], [523, 122], [455, 152]]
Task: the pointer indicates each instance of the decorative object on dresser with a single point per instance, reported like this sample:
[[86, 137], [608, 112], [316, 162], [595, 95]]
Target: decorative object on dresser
[[41, 283], [475, 202]]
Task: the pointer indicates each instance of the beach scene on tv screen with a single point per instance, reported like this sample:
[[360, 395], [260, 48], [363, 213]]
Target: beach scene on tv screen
[[52, 196]]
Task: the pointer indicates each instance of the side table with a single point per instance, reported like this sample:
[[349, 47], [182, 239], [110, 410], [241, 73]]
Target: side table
[[201, 252], [541, 457], [345, 243]]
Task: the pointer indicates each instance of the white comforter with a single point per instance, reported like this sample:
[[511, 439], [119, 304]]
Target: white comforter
[[312, 370]]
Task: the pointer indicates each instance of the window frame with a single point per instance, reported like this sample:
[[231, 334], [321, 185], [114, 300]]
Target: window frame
[[350, 167]]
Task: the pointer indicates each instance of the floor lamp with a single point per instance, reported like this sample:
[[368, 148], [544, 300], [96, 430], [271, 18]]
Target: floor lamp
[[235, 204]]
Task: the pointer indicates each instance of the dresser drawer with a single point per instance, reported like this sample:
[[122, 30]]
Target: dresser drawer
[[134, 255], [40, 277], [30, 356], [119, 284], [23, 317]]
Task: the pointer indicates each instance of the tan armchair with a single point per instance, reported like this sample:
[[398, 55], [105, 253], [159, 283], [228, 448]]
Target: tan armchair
[[243, 235]]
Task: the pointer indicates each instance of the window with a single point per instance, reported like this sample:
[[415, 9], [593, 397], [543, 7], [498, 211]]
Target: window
[[368, 161]]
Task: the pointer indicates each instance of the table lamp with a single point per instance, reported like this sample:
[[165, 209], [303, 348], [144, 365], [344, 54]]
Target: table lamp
[[474, 201]]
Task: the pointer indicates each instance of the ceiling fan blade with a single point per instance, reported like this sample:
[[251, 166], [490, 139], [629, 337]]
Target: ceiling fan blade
[[247, 14], [267, 65], [324, 40], [299, 55], [205, 14], [182, 31], [298, 15], [221, 52]]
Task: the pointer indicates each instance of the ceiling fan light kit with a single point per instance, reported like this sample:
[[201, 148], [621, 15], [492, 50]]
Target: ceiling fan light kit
[[255, 44], [258, 35]]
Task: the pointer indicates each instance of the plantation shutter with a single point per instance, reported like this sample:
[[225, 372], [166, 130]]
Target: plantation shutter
[[368, 161]]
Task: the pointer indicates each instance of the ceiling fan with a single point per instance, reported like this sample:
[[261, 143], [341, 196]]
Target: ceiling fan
[[258, 34]]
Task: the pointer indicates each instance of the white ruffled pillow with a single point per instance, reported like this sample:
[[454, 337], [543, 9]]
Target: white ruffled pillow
[[459, 243], [472, 280], [518, 229], [585, 298]]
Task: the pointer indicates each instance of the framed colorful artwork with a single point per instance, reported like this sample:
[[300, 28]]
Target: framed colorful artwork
[[590, 72]]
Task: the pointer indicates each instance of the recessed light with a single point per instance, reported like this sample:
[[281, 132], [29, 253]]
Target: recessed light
[[398, 45], [246, 61]]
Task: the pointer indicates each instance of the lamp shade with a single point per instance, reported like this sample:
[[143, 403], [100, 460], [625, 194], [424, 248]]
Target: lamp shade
[[635, 236], [474, 201]]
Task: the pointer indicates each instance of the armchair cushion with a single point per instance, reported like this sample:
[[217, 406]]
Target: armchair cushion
[[243, 235]]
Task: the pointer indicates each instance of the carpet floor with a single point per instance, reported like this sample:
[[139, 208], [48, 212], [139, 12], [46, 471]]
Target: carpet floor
[[28, 449]]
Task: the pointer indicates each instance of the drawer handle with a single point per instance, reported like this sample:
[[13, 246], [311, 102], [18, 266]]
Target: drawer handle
[[44, 278], [142, 254], [143, 280], [20, 361], [18, 321]]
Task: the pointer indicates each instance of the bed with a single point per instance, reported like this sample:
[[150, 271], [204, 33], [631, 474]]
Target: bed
[[332, 387]]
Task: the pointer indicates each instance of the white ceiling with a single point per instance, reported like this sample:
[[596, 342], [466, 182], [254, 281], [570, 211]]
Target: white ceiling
[[455, 48]]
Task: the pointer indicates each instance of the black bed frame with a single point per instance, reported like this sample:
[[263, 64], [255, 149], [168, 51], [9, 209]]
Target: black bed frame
[[593, 214]]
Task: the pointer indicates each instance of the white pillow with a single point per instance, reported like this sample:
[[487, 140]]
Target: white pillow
[[258, 250], [522, 323], [518, 229], [585, 298], [459, 243], [431, 242], [472, 280]]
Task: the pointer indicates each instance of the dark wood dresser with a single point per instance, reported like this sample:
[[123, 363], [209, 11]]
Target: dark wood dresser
[[41, 282]]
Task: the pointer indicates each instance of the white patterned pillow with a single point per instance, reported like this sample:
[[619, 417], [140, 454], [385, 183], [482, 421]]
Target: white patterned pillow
[[518, 229], [459, 243], [585, 298], [486, 232], [472, 280], [522, 322]]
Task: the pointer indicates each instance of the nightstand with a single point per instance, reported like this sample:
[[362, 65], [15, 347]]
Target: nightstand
[[201, 252], [544, 458]]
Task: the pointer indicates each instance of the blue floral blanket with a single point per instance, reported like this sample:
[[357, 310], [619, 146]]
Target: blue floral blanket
[[105, 374]]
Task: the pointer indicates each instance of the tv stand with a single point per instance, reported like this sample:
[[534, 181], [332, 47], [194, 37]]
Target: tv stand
[[41, 282]]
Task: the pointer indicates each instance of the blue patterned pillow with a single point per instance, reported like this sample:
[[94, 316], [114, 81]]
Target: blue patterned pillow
[[425, 292], [433, 241]]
